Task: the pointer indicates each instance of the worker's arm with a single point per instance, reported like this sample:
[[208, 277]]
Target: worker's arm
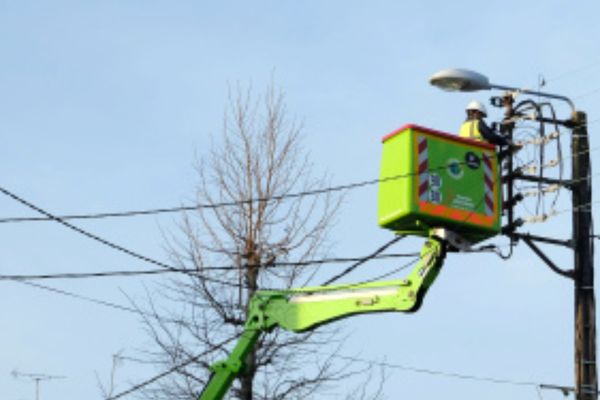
[[491, 136]]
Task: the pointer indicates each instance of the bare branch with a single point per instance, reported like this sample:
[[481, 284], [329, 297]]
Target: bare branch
[[258, 156]]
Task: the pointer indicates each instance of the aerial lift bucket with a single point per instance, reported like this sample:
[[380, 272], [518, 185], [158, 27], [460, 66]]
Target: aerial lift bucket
[[434, 179]]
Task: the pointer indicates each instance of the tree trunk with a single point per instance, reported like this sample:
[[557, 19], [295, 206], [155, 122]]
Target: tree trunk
[[252, 270]]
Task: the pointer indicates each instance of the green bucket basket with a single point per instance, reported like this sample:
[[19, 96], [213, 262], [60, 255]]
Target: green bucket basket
[[435, 179]]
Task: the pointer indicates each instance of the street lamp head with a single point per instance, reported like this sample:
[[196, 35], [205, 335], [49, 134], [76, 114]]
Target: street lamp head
[[460, 80]]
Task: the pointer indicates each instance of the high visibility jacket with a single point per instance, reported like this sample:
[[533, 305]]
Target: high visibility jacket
[[470, 130]]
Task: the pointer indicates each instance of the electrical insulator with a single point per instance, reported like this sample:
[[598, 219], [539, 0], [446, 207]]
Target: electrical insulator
[[531, 169], [540, 218]]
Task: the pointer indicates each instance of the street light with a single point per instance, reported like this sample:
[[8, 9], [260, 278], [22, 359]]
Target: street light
[[464, 80]]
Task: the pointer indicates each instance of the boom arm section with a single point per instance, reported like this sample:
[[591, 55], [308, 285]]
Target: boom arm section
[[304, 309]]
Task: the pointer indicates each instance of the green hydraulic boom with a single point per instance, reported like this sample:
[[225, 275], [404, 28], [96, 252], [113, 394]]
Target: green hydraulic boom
[[303, 309]]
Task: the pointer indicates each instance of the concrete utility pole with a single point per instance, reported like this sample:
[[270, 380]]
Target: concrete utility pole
[[586, 379]]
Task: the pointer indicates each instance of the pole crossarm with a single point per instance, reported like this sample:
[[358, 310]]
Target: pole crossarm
[[532, 178], [543, 239], [566, 273]]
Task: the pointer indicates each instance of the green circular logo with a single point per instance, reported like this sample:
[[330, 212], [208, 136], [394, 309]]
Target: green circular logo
[[455, 168]]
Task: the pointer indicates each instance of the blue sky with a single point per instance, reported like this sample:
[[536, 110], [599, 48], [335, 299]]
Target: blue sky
[[104, 106]]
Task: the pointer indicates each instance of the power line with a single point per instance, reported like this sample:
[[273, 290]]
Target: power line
[[175, 368], [105, 303], [553, 213], [189, 271], [419, 370], [586, 94], [132, 213], [573, 71], [49, 216], [81, 297], [82, 231], [101, 240], [446, 374], [116, 246], [363, 260], [350, 186], [155, 211]]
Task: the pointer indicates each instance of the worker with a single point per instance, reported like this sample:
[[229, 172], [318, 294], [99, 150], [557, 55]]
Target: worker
[[475, 127]]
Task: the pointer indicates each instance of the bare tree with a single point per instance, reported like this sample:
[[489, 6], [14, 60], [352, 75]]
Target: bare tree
[[253, 167]]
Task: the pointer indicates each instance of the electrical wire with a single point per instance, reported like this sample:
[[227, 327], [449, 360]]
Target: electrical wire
[[396, 270], [384, 364], [156, 211], [168, 268], [81, 297], [350, 186], [84, 232], [173, 269], [132, 213], [160, 263], [586, 94], [537, 216], [446, 374], [419, 258], [103, 241], [177, 367], [189, 271], [573, 71], [60, 220], [586, 207], [363, 260], [108, 304]]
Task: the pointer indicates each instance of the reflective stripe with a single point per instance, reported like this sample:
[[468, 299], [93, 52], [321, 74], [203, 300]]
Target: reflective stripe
[[488, 182], [423, 168], [470, 130]]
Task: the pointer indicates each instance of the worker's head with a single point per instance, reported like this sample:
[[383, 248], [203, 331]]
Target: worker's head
[[476, 110]]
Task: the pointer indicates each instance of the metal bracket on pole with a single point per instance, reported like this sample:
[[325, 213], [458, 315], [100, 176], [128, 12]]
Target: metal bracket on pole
[[550, 181], [543, 239], [566, 273]]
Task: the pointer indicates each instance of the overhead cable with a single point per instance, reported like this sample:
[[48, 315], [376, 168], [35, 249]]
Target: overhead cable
[[81, 297], [446, 374], [84, 232], [573, 71], [189, 271], [175, 368], [155, 211], [108, 304], [101, 240], [384, 364], [363, 260], [200, 206]]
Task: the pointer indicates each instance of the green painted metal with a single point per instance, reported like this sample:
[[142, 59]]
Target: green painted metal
[[430, 178], [304, 309], [224, 372]]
